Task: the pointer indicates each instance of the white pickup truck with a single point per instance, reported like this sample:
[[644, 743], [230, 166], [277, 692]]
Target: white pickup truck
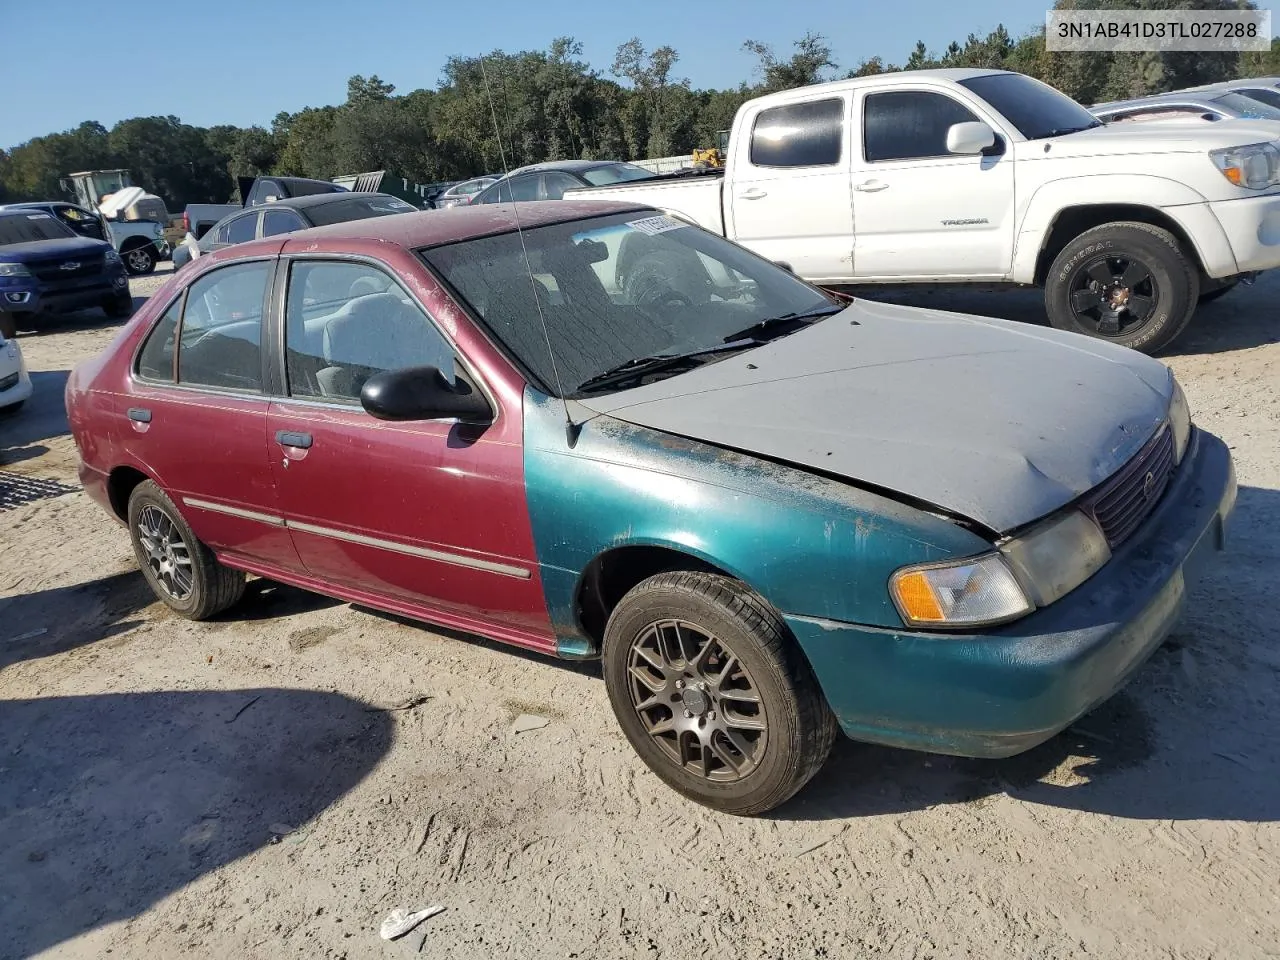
[[945, 176]]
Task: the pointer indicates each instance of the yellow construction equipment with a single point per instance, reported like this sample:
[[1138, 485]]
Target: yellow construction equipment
[[712, 158]]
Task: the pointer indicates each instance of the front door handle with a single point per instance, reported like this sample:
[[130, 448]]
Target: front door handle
[[139, 414], [289, 438], [754, 193], [871, 186]]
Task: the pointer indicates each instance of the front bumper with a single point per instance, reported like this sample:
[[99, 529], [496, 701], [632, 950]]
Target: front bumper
[[12, 366], [1003, 692], [1252, 225], [25, 295]]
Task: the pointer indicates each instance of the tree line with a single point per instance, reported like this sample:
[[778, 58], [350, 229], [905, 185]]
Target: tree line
[[508, 109]]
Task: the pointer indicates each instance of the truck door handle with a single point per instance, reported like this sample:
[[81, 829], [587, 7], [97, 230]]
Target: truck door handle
[[754, 193], [139, 414], [288, 438], [871, 186]]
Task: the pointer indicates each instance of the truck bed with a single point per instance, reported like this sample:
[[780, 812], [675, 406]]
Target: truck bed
[[697, 197]]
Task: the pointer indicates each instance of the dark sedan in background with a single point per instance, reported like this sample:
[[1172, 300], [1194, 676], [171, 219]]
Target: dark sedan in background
[[288, 215], [549, 181]]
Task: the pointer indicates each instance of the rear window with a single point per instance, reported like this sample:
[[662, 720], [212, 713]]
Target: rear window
[[1248, 106], [357, 208], [615, 173], [31, 227]]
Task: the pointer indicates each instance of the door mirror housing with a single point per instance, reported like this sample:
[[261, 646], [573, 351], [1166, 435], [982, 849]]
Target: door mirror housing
[[784, 265], [423, 393], [970, 138]]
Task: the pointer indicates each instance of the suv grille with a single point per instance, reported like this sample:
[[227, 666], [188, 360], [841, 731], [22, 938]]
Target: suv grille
[[1120, 504], [51, 270]]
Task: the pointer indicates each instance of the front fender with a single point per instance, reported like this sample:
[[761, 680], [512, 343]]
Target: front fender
[[1174, 199], [810, 545]]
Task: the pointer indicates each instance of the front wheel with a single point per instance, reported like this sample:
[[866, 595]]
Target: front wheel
[[139, 260], [8, 326], [180, 570], [119, 307], [713, 694], [1130, 283]]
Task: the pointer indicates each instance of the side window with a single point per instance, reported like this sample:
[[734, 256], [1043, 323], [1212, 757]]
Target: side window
[[276, 222], [220, 340], [220, 234], [799, 135], [242, 229], [909, 124], [344, 322], [555, 184], [523, 188], [155, 360]]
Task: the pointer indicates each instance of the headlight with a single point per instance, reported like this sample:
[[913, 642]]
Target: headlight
[[1053, 559], [1256, 166], [112, 256], [1179, 420], [14, 270], [972, 592]]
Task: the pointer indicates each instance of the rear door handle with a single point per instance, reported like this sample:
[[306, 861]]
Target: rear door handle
[[288, 438], [139, 414], [754, 193], [871, 186]]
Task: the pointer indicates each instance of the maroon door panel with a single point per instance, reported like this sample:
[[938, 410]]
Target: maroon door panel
[[429, 512]]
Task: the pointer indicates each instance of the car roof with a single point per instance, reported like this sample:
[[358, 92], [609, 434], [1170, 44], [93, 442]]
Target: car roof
[[899, 79], [1168, 99], [569, 165], [319, 199], [430, 228]]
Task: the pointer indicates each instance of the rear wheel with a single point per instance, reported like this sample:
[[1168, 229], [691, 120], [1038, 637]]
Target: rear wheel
[[713, 694], [1130, 283], [139, 260], [180, 569]]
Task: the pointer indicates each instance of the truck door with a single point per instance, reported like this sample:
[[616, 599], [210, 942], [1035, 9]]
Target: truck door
[[920, 211], [786, 195]]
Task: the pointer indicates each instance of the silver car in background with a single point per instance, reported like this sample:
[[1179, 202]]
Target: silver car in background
[[1206, 105]]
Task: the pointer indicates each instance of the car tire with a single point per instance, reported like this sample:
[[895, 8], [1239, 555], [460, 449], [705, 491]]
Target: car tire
[[1093, 272], [1216, 290], [139, 260], [11, 409], [8, 326], [117, 308], [691, 719], [208, 587]]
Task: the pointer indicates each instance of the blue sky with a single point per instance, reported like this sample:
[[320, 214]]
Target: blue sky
[[242, 61]]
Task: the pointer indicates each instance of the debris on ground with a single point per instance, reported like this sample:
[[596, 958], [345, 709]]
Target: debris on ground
[[404, 705], [400, 921], [527, 721], [29, 635], [236, 715]]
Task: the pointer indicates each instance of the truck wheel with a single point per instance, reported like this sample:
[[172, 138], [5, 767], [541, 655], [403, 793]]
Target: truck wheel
[[180, 570], [139, 260], [8, 326], [119, 307], [713, 694], [1130, 283]]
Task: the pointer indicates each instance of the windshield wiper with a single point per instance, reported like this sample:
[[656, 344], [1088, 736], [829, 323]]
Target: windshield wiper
[[639, 366], [770, 324], [1065, 131]]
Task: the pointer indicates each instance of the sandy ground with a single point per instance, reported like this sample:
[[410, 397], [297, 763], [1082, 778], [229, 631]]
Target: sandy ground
[[148, 765]]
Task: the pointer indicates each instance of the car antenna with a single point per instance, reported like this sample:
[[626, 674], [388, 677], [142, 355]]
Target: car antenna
[[571, 429]]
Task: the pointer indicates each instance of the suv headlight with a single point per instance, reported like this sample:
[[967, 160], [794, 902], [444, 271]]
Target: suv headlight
[[112, 256], [14, 270], [1256, 166], [1026, 572], [1179, 420]]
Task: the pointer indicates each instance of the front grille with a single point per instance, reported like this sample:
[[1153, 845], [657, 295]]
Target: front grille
[[52, 270], [1120, 504], [9, 382]]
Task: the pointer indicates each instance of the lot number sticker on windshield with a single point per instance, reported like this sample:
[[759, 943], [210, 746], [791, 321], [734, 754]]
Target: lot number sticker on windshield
[[39, 216], [655, 225]]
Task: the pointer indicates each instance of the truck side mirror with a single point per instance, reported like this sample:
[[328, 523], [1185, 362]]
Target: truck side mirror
[[969, 138]]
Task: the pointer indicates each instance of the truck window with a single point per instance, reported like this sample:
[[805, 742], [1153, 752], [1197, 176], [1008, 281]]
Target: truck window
[[806, 134], [909, 124]]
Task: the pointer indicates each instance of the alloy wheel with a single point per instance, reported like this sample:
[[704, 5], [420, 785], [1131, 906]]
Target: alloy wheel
[[1113, 296], [168, 556]]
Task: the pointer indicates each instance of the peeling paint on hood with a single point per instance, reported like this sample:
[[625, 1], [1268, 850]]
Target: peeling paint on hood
[[998, 422]]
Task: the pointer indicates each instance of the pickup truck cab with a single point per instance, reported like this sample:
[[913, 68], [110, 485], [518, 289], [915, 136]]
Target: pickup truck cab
[[944, 176]]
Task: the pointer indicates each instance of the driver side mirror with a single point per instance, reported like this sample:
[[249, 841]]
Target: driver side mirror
[[784, 265], [969, 138], [423, 393]]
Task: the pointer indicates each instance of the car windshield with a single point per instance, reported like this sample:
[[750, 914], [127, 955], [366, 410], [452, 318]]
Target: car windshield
[[615, 173], [1270, 97], [1248, 106], [1034, 108], [357, 208], [620, 289], [30, 227]]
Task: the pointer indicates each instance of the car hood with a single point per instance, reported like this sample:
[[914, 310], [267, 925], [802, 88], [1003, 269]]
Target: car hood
[[1193, 136], [48, 249], [993, 421]]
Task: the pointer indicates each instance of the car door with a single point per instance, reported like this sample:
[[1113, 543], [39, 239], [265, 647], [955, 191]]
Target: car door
[[424, 513], [788, 194], [919, 210], [198, 414]]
